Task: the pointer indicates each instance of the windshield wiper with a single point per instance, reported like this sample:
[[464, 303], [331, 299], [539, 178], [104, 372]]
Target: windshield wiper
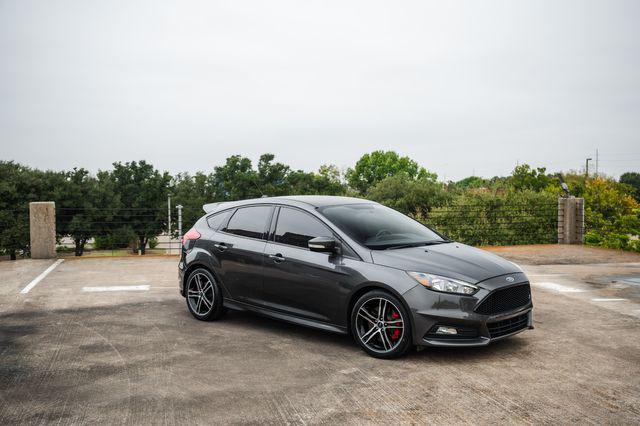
[[419, 244]]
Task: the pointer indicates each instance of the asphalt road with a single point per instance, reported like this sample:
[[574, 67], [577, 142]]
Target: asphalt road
[[137, 357]]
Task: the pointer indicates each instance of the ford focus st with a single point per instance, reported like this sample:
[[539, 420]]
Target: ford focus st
[[350, 266]]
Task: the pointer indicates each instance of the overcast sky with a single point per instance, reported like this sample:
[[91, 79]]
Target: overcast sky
[[460, 86]]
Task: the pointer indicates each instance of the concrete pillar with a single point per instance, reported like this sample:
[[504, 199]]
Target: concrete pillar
[[42, 229], [570, 220]]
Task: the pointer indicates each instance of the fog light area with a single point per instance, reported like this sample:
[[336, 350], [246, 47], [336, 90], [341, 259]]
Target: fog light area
[[446, 330]]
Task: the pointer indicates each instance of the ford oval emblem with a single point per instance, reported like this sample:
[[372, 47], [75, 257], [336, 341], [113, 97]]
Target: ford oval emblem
[[510, 279]]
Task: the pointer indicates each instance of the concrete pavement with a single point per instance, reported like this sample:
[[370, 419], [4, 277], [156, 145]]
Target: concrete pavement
[[138, 357]]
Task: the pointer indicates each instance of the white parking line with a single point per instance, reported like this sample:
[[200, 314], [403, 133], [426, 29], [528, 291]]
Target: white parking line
[[608, 300], [558, 287], [40, 277], [117, 288]]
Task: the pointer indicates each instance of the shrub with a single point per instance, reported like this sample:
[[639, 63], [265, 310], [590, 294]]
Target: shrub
[[409, 196], [634, 245], [153, 243], [524, 217], [116, 239], [611, 214]]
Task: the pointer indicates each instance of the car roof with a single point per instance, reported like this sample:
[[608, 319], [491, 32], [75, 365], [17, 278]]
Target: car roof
[[311, 200]]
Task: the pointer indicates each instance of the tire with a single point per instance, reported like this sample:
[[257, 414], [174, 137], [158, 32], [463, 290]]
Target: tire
[[203, 295], [388, 338]]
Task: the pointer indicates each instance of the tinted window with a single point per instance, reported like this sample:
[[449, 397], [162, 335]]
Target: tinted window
[[296, 228], [378, 227], [249, 221], [218, 219]]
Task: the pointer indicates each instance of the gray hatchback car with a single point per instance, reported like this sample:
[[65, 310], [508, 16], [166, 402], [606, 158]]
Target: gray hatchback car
[[348, 265]]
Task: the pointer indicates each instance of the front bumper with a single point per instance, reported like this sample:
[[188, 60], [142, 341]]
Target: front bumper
[[431, 310]]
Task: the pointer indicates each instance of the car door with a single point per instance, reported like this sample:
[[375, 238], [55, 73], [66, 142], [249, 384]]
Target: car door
[[239, 247], [296, 280]]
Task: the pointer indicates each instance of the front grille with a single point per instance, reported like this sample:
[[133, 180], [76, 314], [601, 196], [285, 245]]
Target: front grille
[[505, 300], [508, 326]]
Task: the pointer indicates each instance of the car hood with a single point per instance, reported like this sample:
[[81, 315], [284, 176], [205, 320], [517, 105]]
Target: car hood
[[453, 260]]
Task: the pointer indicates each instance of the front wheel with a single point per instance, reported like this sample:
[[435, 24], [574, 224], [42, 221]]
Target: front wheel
[[381, 325], [204, 298]]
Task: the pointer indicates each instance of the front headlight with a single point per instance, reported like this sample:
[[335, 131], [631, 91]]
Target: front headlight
[[438, 283]]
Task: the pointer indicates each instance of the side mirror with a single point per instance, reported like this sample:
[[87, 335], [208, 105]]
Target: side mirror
[[324, 244]]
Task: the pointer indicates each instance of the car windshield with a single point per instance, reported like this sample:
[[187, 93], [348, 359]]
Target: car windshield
[[379, 228]]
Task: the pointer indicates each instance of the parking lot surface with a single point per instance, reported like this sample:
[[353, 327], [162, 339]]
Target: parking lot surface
[[75, 350]]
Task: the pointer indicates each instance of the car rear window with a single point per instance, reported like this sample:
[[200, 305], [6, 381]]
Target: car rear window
[[249, 221], [214, 221]]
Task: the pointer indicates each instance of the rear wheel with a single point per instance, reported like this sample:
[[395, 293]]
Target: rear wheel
[[204, 298], [381, 325]]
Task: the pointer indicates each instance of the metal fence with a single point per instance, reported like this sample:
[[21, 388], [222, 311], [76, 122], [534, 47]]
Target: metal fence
[[129, 228], [506, 224]]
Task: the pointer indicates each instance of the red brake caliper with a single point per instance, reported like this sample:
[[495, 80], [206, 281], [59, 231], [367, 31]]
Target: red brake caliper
[[396, 332]]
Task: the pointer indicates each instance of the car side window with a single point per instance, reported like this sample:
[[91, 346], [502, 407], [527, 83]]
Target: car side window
[[249, 221], [215, 220], [296, 228]]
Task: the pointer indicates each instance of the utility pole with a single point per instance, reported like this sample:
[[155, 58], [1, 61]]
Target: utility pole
[[586, 169], [169, 221], [179, 207], [597, 162]]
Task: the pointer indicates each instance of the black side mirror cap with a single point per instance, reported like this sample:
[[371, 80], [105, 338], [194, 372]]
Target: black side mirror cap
[[324, 245]]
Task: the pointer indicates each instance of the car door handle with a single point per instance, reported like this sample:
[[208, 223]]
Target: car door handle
[[277, 257], [221, 246]]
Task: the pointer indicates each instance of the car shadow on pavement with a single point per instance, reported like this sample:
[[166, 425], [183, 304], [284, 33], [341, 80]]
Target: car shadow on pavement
[[123, 323], [259, 324], [282, 329], [511, 345]]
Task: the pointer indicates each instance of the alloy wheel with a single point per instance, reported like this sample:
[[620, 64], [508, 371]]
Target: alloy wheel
[[380, 325], [200, 294]]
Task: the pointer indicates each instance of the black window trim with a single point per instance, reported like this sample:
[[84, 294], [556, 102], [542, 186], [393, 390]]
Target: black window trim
[[276, 216], [267, 223], [273, 223]]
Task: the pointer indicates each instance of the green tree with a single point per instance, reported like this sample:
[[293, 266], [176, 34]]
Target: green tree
[[325, 182], [192, 192], [272, 176], [235, 180], [84, 205], [141, 197], [331, 173], [14, 220], [472, 182], [524, 177], [633, 180], [378, 165], [19, 185], [611, 213], [412, 197]]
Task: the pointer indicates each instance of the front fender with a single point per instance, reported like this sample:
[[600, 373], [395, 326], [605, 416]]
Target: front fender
[[394, 281]]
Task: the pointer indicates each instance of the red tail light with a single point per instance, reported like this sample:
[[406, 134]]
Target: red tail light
[[192, 234]]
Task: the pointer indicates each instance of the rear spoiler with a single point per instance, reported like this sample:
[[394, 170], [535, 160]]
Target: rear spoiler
[[208, 208]]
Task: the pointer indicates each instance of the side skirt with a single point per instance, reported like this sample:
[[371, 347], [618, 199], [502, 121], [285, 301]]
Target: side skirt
[[240, 306]]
